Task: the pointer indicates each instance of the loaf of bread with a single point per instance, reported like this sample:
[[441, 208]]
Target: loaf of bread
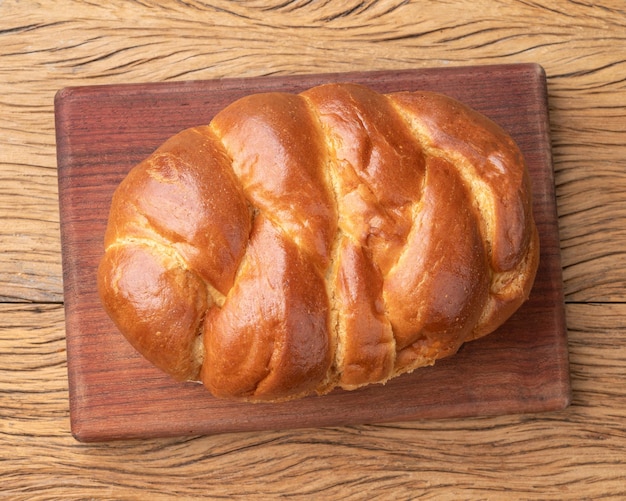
[[330, 239]]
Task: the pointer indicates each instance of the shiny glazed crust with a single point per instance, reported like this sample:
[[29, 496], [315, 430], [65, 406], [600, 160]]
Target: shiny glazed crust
[[335, 238]]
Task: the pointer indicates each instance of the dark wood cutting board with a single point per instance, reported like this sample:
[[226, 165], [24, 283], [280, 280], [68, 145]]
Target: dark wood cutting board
[[102, 131]]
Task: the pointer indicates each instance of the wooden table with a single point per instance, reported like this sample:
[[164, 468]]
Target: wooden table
[[575, 453]]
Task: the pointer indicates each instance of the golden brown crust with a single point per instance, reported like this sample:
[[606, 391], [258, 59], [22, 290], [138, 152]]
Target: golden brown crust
[[271, 336], [156, 303], [367, 350], [335, 238]]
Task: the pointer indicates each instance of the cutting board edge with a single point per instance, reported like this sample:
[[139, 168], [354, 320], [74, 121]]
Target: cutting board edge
[[80, 430]]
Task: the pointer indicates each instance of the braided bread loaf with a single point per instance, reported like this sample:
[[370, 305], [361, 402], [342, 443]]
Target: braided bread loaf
[[334, 238]]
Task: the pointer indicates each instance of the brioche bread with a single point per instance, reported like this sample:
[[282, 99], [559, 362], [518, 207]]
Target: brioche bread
[[335, 238]]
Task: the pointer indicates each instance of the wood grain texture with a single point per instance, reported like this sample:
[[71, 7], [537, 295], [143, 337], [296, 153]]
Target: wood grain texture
[[573, 454], [578, 453], [580, 45]]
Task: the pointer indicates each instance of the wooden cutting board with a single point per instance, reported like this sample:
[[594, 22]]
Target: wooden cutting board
[[102, 131]]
